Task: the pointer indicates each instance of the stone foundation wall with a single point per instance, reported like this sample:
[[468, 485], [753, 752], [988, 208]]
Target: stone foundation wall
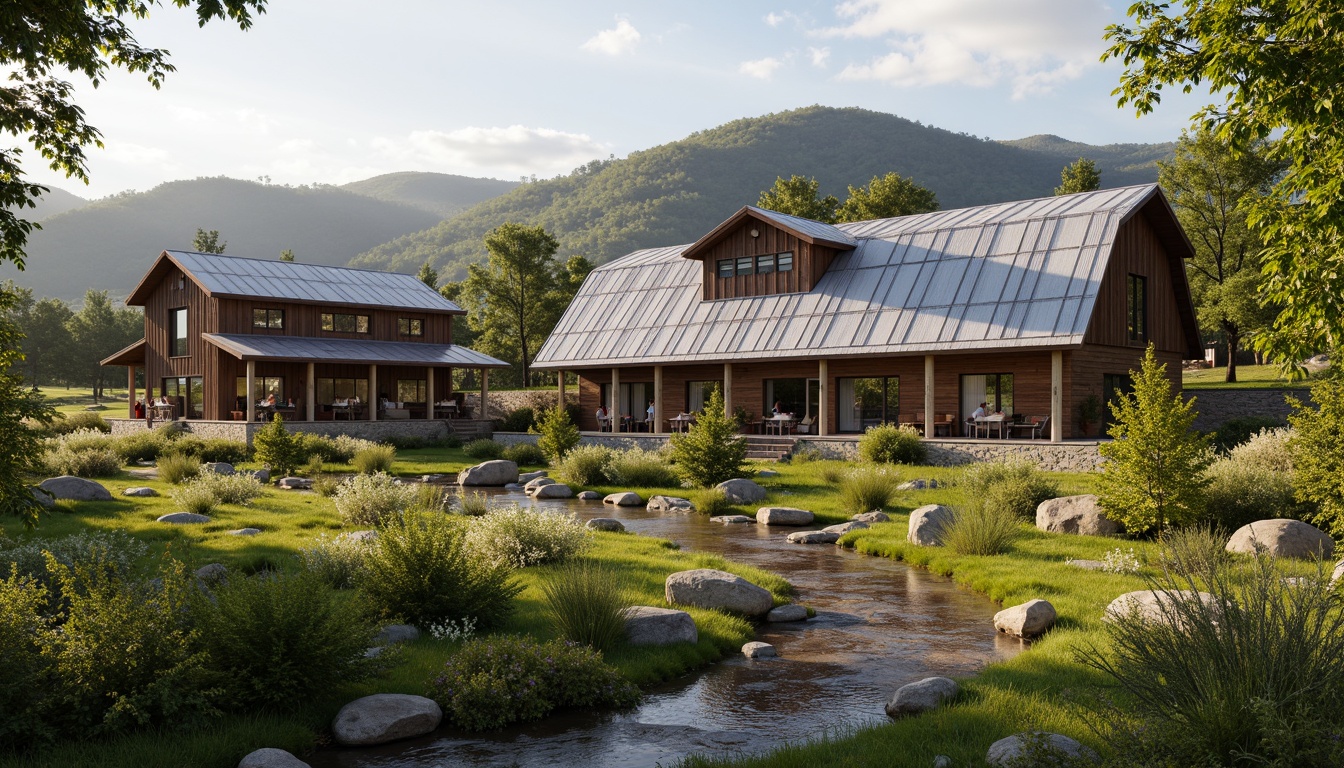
[[243, 431], [620, 441], [1216, 406], [1074, 456]]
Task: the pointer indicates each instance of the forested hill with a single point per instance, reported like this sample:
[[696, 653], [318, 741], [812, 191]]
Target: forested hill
[[53, 202], [442, 194], [676, 192]]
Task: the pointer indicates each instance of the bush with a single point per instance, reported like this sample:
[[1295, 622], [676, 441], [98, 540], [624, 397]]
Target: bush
[[313, 469], [82, 462], [640, 469], [805, 454], [1015, 485], [868, 488], [406, 442], [421, 569], [115, 552], [890, 444], [1318, 451], [141, 446], [473, 504], [274, 445], [713, 502], [558, 434], [586, 603], [711, 451], [74, 422], [525, 455], [1239, 493], [982, 529], [335, 560], [372, 499], [279, 639], [1268, 449], [177, 468], [494, 681], [483, 449], [520, 537], [518, 420], [1234, 432], [229, 489], [195, 498], [27, 678], [452, 441], [378, 458], [584, 465], [212, 449]]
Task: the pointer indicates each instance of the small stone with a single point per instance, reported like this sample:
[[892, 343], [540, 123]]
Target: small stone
[[670, 504], [1031, 749], [1028, 620], [767, 473], [1157, 606], [385, 717], [922, 696], [589, 496], [527, 477], [433, 478], [784, 516], [786, 613], [843, 528], [608, 524], [733, 519], [365, 537], [244, 532], [140, 490], [917, 485], [397, 633], [758, 650], [269, 757], [646, 625], [74, 489], [1089, 565], [813, 537], [942, 761], [532, 485], [295, 483], [624, 499], [928, 523], [876, 516], [514, 487], [740, 491], [553, 491], [184, 518], [212, 573], [218, 467]]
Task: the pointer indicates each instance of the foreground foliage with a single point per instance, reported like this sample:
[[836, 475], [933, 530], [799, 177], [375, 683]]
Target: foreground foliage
[[1318, 452], [586, 601], [711, 451], [890, 444]]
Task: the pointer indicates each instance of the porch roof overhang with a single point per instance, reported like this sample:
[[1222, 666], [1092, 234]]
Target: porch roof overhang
[[132, 355], [322, 350]]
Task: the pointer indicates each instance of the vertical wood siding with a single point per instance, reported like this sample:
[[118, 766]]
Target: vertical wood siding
[[809, 263]]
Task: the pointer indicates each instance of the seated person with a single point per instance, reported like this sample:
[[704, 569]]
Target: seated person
[[602, 418], [979, 413], [648, 417], [778, 410]]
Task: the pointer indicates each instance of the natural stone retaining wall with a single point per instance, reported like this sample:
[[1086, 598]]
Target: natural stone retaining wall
[[241, 430], [621, 440], [1074, 456], [1216, 406]]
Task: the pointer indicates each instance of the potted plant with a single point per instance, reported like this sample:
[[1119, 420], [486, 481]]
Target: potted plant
[[1089, 413]]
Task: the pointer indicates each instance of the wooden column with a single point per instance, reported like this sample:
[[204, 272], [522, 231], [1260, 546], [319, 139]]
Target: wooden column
[[823, 398], [1056, 396], [728, 390], [560, 382], [657, 398], [251, 386], [130, 392], [929, 400], [374, 398], [614, 396], [310, 394], [429, 393], [485, 392]]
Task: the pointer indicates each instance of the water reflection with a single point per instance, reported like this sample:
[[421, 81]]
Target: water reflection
[[879, 625]]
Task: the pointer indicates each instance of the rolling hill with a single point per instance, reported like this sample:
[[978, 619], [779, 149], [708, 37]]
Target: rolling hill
[[439, 193], [676, 192], [55, 202]]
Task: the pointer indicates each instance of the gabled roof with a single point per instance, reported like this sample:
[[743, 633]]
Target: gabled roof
[[234, 277], [807, 230], [1011, 275], [131, 354], [304, 348]]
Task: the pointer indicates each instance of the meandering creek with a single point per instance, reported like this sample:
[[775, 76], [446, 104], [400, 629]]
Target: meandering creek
[[879, 624]]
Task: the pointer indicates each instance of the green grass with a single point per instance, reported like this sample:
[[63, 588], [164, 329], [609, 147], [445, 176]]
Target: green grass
[[1248, 377]]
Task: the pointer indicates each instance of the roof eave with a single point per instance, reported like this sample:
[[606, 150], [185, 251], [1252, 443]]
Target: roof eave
[[125, 356], [696, 250]]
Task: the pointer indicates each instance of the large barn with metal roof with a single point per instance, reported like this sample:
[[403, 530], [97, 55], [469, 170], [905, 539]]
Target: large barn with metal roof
[[1031, 306]]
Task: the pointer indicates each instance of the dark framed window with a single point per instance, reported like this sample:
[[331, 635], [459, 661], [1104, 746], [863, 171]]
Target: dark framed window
[[188, 395], [784, 261], [725, 267], [268, 318], [331, 390], [177, 332], [263, 386], [864, 402], [1137, 314], [410, 326], [410, 390], [699, 392], [756, 265], [765, 264], [342, 323], [801, 397], [746, 265]]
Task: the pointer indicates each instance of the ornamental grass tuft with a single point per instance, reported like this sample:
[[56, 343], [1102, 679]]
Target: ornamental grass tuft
[[586, 602]]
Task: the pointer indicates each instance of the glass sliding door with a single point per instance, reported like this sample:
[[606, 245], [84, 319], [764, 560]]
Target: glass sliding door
[[188, 395], [866, 402], [993, 389], [698, 393], [791, 394]]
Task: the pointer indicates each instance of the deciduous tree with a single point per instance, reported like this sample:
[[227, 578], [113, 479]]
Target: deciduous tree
[[428, 275], [19, 445], [799, 196], [886, 197], [1318, 451], [209, 242], [98, 330], [286, 255], [1079, 176]]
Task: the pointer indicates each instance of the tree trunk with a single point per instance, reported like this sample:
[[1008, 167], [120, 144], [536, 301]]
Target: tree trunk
[[1232, 341]]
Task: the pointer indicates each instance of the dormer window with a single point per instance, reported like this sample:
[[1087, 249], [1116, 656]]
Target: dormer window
[[756, 265]]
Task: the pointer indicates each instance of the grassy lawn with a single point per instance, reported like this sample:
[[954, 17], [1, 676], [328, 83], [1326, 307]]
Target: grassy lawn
[[77, 399], [1248, 377]]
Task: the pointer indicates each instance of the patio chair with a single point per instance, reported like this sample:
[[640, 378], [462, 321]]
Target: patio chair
[[943, 424], [1035, 426]]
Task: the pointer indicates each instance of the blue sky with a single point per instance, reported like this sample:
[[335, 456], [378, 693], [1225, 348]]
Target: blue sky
[[333, 91]]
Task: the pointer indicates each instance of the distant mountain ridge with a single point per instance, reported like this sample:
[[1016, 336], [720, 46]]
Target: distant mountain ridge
[[676, 192], [442, 194]]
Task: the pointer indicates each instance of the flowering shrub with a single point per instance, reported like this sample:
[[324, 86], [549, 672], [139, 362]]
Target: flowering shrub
[[521, 537], [1120, 561], [494, 681], [372, 499], [453, 631]]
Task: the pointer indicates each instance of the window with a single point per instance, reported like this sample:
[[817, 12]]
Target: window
[[725, 267], [345, 323], [765, 264], [746, 265], [698, 393], [187, 394], [410, 390], [1137, 315], [177, 333], [756, 265], [261, 387], [784, 261], [331, 390], [993, 389], [410, 326], [633, 399], [797, 396], [866, 402], [1113, 386], [268, 318]]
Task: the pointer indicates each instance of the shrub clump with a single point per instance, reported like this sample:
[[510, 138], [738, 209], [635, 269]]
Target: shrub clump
[[483, 449], [868, 488], [372, 499], [1015, 486], [1318, 451], [494, 681], [229, 489], [82, 462], [890, 444], [638, 468], [711, 451], [115, 552], [558, 434], [195, 498], [519, 537], [518, 420], [177, 468], [1234, 432], [337, 560], [64, 424], [142, 446], [473, 504], [982, 529], [585, 465], [525, 455], [274, 445], [713, 502], [1239, 493], [375, 458], [586, 603]]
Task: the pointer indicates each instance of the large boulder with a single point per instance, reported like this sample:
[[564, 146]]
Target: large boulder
[[609, 524], [589, 496], [1282, 538], [553, 491], [1025, 750], [733, 520], [670, 504], [1075, 514], [1338, 574], [42, 498], [1028, 620], [741, 491], [385, 717], [269, 757], [262, 476], [213, 573], [1156, 605], [624, 499], [928, 523], [922, 696], [708, 588], [496, 472], [646, 625], [527, 477], [531, 486], [813, 537], [218, 467], [294, 484], [74, 489], [784, 516]]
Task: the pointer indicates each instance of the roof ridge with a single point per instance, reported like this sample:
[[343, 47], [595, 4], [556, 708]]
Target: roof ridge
[[294, 263]]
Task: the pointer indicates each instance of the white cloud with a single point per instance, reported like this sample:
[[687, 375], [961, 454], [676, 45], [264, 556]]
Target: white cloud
[[760, 68], [819, 56], [775, 19], [509, 151], [1031, 44], [614, 42]]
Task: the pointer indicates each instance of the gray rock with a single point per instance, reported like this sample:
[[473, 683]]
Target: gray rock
[[537, 482], [876, 516], [942, 761], [218, 467], [758, 650], [513, 487], [433, 478], [184, 518], [1030, 619], [74, 489], [605, 524], [784, 516], [212, 573], [785, 613], [374, 652], [843, 528], [1156, 606], [244, 532], [1087, 565], [366, 537], [589, 496], [646, 625], [385, 717], [262, 476], [813, 537], [295, 483], [928, 523], [397, 633], [1024, 750], [767, 473], [741, 491], [496, 472], [1282, 538], [553, 491], [1338, 574], [709, 588], [1075, 514], [917, 485], [43, 499], [140, 490], [732, 519], [527, 477], [624, 499], [922, 696], [269, 757], [670, 504]]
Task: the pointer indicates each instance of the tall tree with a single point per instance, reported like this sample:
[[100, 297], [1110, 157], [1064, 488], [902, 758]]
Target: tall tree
[[799, 196], [285, 255], [1277, 66], [428, 275], [207, 242], [48, 348], [1212, 186], [886, 197], [40, 43], [19, 445], [98, 330], [1079, 176], [463, 334]]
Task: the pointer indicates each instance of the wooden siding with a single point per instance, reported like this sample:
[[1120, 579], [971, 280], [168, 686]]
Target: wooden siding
[[809, 262], [1138, 251], [201, 318], [235, 316]]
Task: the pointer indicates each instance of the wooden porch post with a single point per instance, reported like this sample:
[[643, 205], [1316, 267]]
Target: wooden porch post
[[374, 398], [251, 387], [613, 410], [560, 381], [485, 392], [429, 393], [130, 391], [1056, 396], [657, 398], [823, 398], [728, 390], [929, 399], [310, 394]]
